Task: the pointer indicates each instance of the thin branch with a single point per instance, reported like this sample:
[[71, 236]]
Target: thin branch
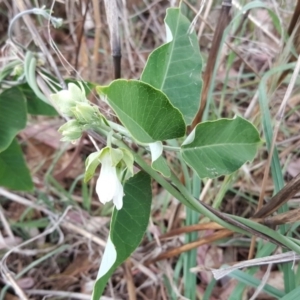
[[212, 58]]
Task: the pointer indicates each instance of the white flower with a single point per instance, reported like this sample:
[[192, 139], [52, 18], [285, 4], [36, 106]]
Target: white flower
[[108, 185]]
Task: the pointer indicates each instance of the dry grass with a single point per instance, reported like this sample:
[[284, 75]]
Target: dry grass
[[52, 240]]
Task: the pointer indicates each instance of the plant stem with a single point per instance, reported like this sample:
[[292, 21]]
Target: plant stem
[[180, 192]]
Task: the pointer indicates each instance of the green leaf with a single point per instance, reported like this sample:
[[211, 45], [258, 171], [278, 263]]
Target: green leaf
[[14, 173], [128, 226], [175, 68], [220, 147], [294, 294], [161, 166], [36, 106], [254, 282], [145, 111], [13, 116]]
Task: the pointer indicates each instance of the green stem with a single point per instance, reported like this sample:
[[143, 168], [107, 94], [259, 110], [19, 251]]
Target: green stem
[[122, 130], [197, 206], [180, 192]]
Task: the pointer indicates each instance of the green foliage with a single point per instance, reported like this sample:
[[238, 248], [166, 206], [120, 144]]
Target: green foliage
[[13, 115], [294, 294], [155, 109], [161, 166], [220, 147], [14, 173], [34, 104], [145, 111], [254, 282], [175, 68], [127, 228]]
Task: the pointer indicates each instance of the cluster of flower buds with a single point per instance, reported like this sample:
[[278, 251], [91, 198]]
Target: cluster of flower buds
[[72, 103], [116, 164]]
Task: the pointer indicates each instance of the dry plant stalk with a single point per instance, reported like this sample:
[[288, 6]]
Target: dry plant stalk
[[293, 27], [98, 27], [211, 61], [280, 198], [191, 228], [112, 20], [220, 234], [284, 218]]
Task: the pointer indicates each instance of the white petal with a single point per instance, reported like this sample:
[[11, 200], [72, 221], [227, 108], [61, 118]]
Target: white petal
[[190, 138], [169, 37], [156, 150], [118, 197], [107, 181], [108, 259]]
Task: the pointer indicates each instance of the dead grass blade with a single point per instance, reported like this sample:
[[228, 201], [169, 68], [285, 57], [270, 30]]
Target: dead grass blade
[[187, 247], [129, 280], [293, 29], [284, 218], [191, 228], [280, 198], [278, 258]]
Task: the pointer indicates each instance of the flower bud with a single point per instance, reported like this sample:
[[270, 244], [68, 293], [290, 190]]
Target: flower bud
[[84, 113], [65, 100], [71, 131]]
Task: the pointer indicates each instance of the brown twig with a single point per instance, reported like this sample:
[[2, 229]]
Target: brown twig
[[281, 219], [280, 198], [205, 240], [229, 45], [293, 26], [98, 26], [191, 228], [129, 280], [80, 35], [211, 61]]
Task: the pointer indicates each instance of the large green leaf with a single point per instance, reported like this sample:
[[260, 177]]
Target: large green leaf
[[128, 226], [13, 115], [175, 68], [36, 106], [14, 173], [145, 111], [220, 147]]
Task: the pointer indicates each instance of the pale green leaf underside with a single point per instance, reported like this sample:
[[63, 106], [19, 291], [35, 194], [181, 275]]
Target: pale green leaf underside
[[128, 225], [145, 111], [160, 165], [221, 147], [91, 164], [175, 68]]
